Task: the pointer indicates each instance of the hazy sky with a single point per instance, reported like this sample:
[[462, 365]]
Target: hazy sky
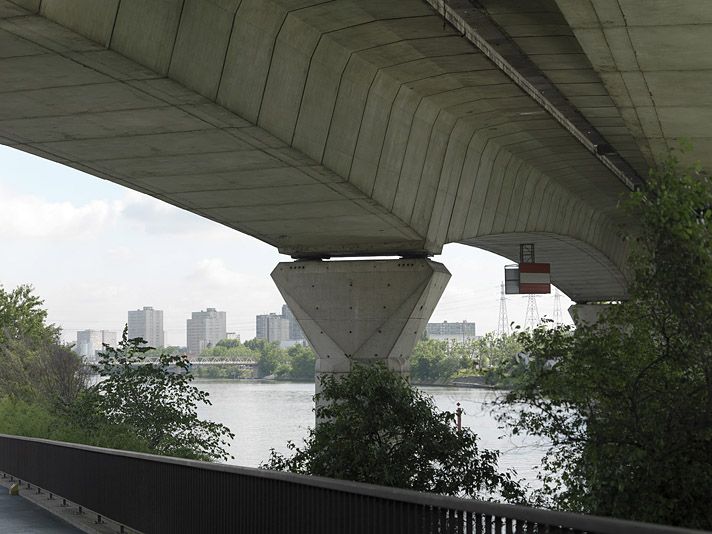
[[94, 250]]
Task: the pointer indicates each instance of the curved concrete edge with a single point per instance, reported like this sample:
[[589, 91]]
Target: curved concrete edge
[[580, 270]]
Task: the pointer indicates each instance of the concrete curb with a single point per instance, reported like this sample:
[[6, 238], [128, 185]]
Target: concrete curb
[[86, 521]]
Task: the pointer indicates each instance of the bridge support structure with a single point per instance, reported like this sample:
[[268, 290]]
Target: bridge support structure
[[586, 313], [362, 311]]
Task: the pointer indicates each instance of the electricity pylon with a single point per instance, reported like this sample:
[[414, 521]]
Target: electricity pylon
[[558, 317], [503, 324], [531, 319]]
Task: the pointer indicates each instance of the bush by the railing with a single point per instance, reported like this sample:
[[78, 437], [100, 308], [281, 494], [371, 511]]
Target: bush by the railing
[[376, 428]]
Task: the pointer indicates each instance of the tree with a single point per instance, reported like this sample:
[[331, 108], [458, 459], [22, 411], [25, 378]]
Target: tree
[[270, 356], [156, 402], [431, 362], [232, 351], [22, 317], [374, 427], [499, 358], [627, 402], [493, 351], [301, 363], [228, 343], [34, 364]]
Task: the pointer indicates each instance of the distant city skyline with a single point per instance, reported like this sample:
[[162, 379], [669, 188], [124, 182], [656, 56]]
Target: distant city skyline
[[138, 258]]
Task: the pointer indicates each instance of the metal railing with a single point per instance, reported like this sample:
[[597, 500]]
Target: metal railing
[[155, 494]]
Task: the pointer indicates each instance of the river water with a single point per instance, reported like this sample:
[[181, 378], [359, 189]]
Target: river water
[[264, 415]]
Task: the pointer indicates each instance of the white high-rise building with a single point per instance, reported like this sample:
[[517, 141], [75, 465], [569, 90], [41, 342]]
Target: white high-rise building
[[205, 329], [295, 331], [445, 331], [147, 324], [272, 327], [90, 342]]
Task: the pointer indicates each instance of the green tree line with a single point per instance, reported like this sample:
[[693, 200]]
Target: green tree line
[[294, 363], [493, 357], [47, 391]]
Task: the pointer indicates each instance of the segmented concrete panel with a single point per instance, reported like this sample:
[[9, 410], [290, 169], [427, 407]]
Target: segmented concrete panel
[[653, 58], [322, 127]]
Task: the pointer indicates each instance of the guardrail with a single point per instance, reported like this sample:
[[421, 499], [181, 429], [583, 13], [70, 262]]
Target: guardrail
[[155, 494]]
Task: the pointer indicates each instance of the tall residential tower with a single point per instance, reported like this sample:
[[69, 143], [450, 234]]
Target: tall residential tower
[[89, 342], [205, 329], [147, 324]]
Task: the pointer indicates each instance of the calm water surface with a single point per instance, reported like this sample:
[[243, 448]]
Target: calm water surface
[[264, 415]]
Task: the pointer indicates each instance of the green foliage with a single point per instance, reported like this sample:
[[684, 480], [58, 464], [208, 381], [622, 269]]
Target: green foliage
[[499, 358], [296, 363], [300, 364], [219, 372], [34, 365], [41, 420], [376, 428], [156, 401], [431, 362], [627, 403], [32, 419], [270, 356], [437, 362], [22, 317], [234, 351], [228, 343], [494, 351]]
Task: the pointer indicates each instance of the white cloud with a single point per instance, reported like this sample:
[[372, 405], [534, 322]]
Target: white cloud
[[31, 217], [121, 253]]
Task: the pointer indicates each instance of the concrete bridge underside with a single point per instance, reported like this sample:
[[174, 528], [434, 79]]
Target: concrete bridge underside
[[357, 127]]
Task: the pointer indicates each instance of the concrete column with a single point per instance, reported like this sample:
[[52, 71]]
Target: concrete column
[[361, 311]]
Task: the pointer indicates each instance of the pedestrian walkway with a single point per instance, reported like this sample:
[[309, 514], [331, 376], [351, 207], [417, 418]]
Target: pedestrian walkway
[[20, 516]]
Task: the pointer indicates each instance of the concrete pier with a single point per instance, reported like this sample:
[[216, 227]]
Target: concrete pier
[[361, 311]]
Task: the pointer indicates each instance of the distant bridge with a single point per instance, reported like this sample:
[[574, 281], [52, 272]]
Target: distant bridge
[[243, 364]]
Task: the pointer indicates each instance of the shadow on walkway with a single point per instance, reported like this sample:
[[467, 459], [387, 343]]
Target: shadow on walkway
[[19, 516]]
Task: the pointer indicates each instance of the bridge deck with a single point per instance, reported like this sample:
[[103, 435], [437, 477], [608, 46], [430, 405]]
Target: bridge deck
[[19, 515]]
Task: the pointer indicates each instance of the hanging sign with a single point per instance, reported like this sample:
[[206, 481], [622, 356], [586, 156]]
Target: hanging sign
[[534, 278], [511, 279]]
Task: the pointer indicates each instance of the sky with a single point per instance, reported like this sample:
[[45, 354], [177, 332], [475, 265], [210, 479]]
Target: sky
[[94, 250]]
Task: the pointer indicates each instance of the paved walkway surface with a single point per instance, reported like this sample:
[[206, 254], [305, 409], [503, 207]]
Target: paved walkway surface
[[19, 516]]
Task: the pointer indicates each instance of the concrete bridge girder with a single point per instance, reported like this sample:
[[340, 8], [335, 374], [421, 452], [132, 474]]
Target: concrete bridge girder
[[653, 58], [323, 128]]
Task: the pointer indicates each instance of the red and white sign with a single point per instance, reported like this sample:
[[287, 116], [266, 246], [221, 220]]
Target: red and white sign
[[534, 278]]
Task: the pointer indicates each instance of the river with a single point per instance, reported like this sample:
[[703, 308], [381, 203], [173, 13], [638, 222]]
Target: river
[[264, 415]]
